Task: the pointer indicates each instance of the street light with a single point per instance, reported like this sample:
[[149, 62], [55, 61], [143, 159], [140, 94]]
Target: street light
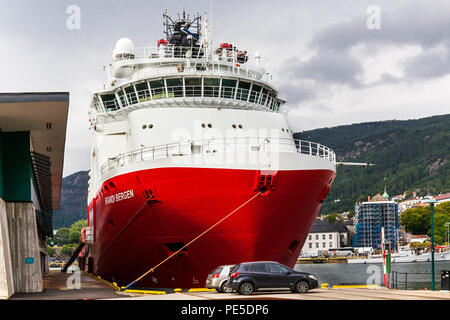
[[432, 202], [447, 224]]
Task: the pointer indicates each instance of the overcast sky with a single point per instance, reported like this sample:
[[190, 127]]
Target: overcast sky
[[334, 61]]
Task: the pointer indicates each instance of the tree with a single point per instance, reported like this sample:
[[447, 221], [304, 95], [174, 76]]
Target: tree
[[417, 220], [61, 237], [66, 250], [75, 230], [413, 221], [70, 235], [50, 251], [331, 218]]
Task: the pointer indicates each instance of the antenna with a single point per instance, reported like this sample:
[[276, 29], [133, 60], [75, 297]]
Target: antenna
[[210, 19]]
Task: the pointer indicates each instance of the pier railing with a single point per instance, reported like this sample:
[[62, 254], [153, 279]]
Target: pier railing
[[409, 280], [212, 146]]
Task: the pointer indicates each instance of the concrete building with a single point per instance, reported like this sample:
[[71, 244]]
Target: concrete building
[[326, 236], [32, 142], [370, 217]]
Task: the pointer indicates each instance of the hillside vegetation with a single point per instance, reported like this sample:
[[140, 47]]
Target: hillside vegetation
[[412, 155], [74, 193]]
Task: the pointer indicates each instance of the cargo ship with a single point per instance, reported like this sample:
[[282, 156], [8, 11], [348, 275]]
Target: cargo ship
[[183, 134]]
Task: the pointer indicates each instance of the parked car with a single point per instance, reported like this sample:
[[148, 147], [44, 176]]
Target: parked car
[[249, 277], [218, 279]]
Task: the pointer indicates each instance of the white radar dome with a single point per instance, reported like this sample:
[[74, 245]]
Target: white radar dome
[[123, 47]]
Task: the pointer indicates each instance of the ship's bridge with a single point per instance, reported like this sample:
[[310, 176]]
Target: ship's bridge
[[167, 75]]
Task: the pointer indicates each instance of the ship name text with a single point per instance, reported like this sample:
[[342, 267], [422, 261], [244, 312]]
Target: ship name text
[[119, 197]]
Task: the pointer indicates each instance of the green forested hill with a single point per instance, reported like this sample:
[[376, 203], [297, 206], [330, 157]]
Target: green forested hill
[[412, 155], [73, 200]]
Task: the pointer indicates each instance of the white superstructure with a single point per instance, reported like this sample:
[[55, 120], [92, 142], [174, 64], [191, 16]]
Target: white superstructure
[[167, 102]]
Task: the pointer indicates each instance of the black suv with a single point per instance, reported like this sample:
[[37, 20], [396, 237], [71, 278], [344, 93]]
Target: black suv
[[248, 277]]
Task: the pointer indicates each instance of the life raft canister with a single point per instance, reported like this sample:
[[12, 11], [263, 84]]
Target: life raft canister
[[161, 41]]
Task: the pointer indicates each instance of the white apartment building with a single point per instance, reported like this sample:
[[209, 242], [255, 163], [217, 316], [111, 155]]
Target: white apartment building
[[326, 236]]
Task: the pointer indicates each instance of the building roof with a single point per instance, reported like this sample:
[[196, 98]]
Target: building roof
[[442, 196], [377, 197], [419, 236], [339, 227], [44, 115], [323, 226]]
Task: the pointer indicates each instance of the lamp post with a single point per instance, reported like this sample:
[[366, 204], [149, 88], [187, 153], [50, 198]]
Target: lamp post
[[431, 202], [447, 224]]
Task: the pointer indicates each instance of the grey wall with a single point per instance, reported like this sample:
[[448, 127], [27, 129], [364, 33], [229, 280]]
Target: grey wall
[[6, 275], [24, 245]]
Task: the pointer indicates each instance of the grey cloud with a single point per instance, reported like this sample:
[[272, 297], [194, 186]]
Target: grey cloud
[[418, 24], [297, 92], [327, 66], [428, 65], [415, 24]]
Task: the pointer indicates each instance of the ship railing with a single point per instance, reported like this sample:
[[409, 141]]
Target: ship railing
[[264, 101], [219, 56], [212, 146]]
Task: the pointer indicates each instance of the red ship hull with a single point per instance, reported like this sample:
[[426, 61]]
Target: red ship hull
[[141, 218]]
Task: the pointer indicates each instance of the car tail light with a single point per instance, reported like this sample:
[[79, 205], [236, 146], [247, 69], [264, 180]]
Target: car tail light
[[235, 275], [216, 275]]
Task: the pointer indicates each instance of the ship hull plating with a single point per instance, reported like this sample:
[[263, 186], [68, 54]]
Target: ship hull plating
[[142, 217]]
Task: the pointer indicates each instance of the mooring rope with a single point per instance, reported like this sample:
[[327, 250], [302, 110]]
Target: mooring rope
[[195, 239]]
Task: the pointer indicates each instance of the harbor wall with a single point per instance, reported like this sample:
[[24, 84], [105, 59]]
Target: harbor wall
[[24, 244], [6, 274]]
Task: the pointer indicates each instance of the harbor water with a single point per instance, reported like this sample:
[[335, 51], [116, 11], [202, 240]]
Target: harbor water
[[416, 275]]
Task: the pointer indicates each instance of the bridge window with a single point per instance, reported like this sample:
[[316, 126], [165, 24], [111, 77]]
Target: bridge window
[[254, 95], [131, 94], [158, 89], [193, 87], [228, 88], [265, 92], [211, 87], [110, 102], [243, 90], [175, 87], [143, 92], [121, 95]]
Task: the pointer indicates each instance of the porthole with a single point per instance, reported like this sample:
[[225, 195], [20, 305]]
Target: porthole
[[209, 125], [234, 126], [203, 125], [240, 126], [282, 129], [144, 127], [150, 126]]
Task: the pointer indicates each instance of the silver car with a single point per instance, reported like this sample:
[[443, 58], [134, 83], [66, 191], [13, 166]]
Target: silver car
[[218, 279]]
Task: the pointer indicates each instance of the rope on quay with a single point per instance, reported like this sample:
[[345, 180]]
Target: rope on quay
[[192, 241]]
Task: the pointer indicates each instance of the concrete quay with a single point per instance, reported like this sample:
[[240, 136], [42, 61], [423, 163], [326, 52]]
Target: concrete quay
[[56, 288]]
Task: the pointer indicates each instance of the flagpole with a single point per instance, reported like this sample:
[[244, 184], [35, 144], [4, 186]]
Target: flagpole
[[384, 258]]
